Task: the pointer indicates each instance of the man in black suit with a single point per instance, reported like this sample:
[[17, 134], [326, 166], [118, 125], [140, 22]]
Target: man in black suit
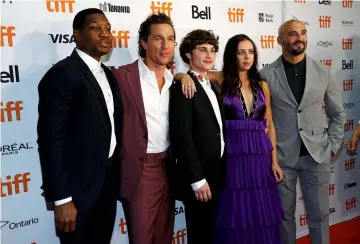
[[196, 130], [79, 133]]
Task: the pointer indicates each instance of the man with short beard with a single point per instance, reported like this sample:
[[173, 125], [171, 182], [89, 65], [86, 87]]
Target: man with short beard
[[299, 85]]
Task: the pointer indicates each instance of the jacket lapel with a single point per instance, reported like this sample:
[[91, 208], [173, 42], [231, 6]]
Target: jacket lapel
[[93, 82], [133, 80], [309, 68], [202, 93], [280, 73]]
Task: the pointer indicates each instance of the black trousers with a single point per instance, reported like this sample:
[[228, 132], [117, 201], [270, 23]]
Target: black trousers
[[201, 221], [97, 225]]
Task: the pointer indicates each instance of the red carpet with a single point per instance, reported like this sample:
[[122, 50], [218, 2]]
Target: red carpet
[[344, 233]]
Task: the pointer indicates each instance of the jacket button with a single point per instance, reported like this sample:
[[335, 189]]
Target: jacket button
[[299, 111], [300, 129]]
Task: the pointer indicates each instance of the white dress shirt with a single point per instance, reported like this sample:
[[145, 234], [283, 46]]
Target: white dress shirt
[[205, 83], [100, 76], [156, 106]]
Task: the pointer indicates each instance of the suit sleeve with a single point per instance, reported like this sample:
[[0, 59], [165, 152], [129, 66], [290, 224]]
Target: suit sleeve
[[55, 98], [181, 126], [335, 113]]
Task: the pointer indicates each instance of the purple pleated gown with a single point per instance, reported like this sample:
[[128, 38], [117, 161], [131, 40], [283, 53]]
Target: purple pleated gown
[[250, 208]]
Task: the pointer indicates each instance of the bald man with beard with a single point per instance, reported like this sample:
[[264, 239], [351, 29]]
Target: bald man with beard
[[299, 85]]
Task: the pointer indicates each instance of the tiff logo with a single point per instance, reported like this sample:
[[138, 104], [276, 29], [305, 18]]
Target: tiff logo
[[60, 6], [161, 7], [350, 203], [348, 85], [325, 21], [236, 15], [205, 14], [346, 65], [12, 184], [349, 125], [121, 39], [347, 3], [349, 164], [267, 41], [325, 2], [11, 108], [107, 7], [11, 76], [331, 189], [9, 33], [303, 220], [347, 44], [327, 62]]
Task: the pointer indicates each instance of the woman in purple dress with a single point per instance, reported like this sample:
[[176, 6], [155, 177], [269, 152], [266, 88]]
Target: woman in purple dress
[[250, 208]]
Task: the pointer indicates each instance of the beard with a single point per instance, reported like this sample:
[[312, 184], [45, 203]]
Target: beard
[[297, 51]]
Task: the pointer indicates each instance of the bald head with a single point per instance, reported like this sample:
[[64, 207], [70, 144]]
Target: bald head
[[289, 25], [293, 37]]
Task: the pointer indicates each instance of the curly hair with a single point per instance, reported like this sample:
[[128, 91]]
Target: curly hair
[[194, 38], [145, 29]]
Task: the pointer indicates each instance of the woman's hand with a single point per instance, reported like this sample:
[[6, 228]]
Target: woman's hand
[[277, 171], [188, 86]]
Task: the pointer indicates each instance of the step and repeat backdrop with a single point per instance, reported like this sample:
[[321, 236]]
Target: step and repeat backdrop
[[37, 34]]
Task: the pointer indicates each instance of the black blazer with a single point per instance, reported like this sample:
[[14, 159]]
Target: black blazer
[[195, 139], [74, 131]]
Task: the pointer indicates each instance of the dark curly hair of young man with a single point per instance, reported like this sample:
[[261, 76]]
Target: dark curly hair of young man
[[195, 38]]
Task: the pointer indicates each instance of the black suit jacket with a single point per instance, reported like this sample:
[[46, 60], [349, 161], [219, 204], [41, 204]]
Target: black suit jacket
[[74, 131], [195, 139]]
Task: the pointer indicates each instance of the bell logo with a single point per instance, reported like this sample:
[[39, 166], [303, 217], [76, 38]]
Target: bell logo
[[60, 6], [347, 3], [347, 65], [347, 44], [11, 76], [331, 189], [349, 164], [12, 186], [196, 14], [9, 33], [161, 7], [267, 42], [327, 62], [121, 39], [236, 15], [179, 237], [350, 203], [11, 108], [303, 220], [348, 85], [349, 125], [300, 1], [325, 21]]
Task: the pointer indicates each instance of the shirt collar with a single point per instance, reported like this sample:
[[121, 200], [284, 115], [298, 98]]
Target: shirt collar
[[199, 77], [302, 62], [144, 71], [92, 63]]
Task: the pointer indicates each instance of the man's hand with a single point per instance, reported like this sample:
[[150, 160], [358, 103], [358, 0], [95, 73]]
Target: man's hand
[[352, 144], [203, 194], [65, 217]]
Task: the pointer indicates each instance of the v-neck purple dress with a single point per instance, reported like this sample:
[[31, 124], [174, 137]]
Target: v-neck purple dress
[[250, 208]]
